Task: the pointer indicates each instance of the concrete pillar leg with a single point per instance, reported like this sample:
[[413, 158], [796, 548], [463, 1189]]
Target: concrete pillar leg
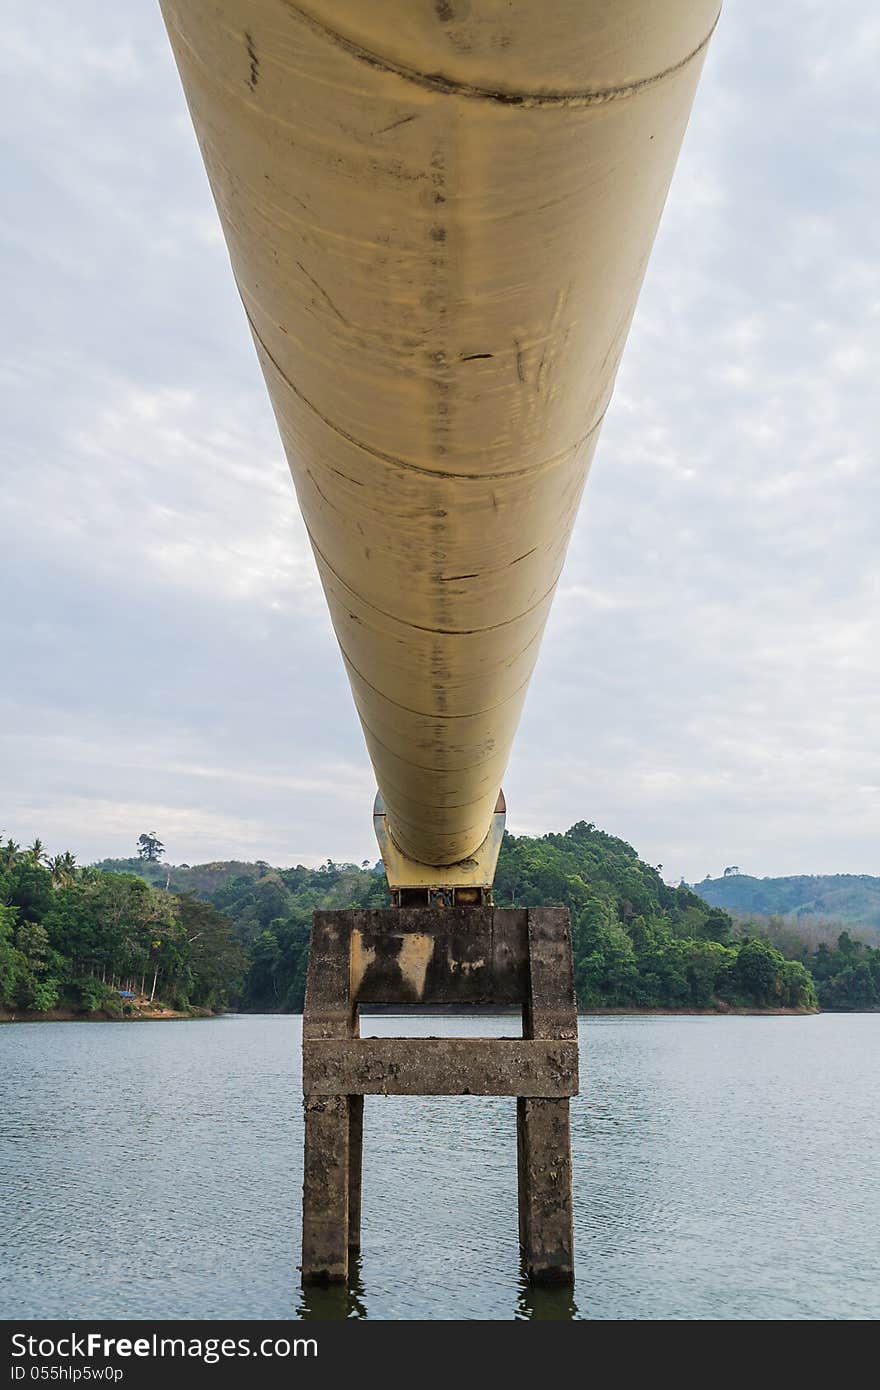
[[355, 1159], [545, 1196], [325, 1190], [522, 1173]]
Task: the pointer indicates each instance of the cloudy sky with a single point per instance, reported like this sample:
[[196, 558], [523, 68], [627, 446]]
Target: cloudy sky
[[707, 687]]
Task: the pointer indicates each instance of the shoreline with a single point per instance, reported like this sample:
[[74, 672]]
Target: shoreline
[[632, 1009], [618, 1011], [156, 1015]]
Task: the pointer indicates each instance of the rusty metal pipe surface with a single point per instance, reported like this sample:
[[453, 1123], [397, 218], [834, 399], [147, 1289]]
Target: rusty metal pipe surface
[[439, 214]]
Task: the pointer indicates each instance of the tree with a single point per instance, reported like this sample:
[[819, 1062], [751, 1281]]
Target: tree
[[800, 988], [37, 988], [73, 928], [28, 886], [33, 942], [732, 870], [150, 846], [217, 961], [759, 972], [62, 867], [13, 965], [9, 854], [854, 988], [707, 963], [716, 926]]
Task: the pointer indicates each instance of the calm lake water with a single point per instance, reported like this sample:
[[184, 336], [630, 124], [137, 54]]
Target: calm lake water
[[724, 1168]]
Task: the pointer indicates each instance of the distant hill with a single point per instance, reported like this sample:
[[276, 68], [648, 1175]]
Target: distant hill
[[200, 879], [852, 900]]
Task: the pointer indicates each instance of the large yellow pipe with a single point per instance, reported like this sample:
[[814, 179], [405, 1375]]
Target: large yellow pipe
[[439, 214]]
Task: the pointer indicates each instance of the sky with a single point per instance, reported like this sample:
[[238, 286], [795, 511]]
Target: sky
[[707, 687]]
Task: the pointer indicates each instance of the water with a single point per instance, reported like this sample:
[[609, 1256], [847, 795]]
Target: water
[[724, 1168]]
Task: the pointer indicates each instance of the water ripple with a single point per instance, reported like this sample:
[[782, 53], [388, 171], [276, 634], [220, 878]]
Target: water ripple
[[724, 1168]]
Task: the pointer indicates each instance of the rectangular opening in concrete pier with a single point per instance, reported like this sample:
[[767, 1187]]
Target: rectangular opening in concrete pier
[[460, 1022]]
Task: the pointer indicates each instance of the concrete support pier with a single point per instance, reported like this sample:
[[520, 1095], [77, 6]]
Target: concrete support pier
[[433, 956]]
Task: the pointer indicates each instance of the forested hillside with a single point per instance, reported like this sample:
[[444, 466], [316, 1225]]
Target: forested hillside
[[847, 900], [107, 944], [235, 933], [638, 942]]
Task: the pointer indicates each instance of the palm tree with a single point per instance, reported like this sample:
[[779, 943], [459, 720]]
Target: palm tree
[[63, 869], [9, 853]]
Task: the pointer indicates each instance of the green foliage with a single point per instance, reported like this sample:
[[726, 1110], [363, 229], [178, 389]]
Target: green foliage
[[272, 912], [75, 938], [638, 943], [237, 933], [847, 976], [43, 995], [758, 972], [217, 963], [94, 997], [13, 965], [27, 886], [799, 986]]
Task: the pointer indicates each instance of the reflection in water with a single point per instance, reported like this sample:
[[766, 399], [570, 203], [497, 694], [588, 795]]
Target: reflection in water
[[339, 1302], [334, 1302], [544, 1302]]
